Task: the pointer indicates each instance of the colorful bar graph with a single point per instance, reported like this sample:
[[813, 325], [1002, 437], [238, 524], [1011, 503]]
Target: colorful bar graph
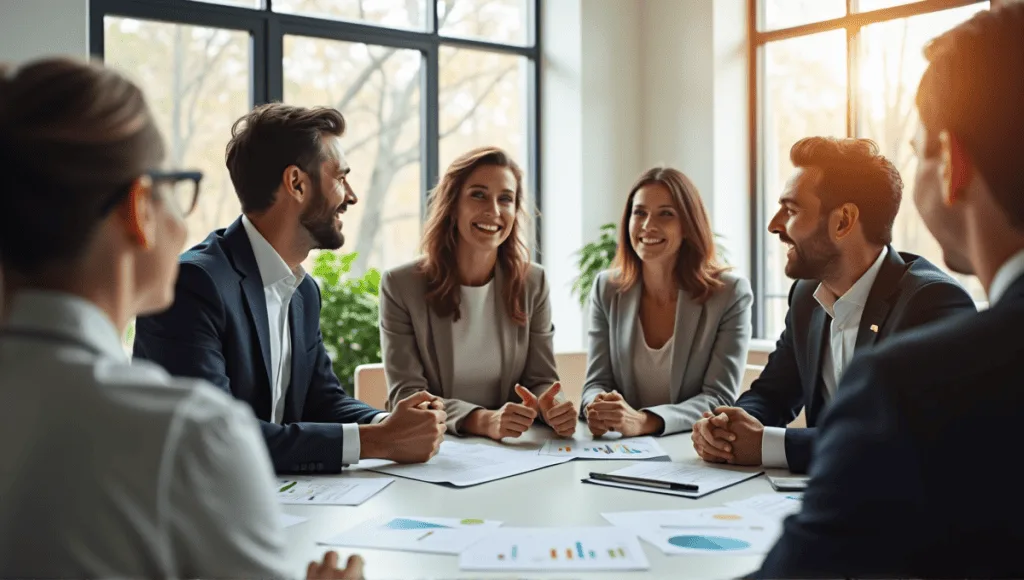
[[579, 549]]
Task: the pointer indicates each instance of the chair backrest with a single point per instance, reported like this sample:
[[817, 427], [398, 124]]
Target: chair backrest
[[572, 373], [371, 387]]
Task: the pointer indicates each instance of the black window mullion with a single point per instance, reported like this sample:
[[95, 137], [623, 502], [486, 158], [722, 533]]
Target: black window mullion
[[275, 61], [430, 120], [533, 125]]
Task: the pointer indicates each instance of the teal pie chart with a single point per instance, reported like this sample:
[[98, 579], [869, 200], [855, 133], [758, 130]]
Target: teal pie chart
[[710, 543]]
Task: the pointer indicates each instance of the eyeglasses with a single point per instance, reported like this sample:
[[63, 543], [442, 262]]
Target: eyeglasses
[[180, 188]]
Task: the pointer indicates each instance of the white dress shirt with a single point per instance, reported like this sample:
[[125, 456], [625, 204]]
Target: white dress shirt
[[477, 347], [279, 285], [652, 369], [1007, 274], [118, 469], [845, 313]]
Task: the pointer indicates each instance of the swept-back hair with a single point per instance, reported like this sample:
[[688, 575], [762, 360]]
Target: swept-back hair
[[441, 237]]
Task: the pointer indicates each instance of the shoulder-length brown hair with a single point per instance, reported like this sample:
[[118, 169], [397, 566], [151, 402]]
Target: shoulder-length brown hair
[[441, 236], [697, 269]]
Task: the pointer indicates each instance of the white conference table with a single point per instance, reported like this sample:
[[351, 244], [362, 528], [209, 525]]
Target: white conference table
[[549, 497]]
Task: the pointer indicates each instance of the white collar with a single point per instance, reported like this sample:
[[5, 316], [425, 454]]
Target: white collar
[[66, 315], [272, 266], [1005, 277], [858, 294]]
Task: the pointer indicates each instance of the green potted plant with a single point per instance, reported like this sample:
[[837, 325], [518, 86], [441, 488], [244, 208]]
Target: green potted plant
[[348, 314], [596, 257]]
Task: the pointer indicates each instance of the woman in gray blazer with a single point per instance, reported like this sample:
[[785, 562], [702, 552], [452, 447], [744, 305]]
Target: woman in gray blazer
[[470, 321], [669, 327]]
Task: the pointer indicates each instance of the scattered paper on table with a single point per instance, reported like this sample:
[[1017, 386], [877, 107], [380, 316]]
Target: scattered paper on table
[[711, 531], [556, 549], [330, 490], [288, 520], [630, 448], [771, 505], [708, 478], [464, 464], [416, 534]]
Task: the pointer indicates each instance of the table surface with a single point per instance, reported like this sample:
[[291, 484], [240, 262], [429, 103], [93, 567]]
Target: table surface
[[549, 497]]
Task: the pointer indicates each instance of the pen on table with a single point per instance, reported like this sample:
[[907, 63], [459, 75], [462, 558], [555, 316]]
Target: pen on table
[[644, 482]]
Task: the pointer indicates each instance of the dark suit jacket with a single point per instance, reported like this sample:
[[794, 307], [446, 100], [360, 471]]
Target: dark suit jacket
[[916, 470], [217, 330], [908, 292]]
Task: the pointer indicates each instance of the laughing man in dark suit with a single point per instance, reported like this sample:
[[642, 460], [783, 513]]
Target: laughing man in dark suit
[[246, 316], [853, 289], [892, 490]]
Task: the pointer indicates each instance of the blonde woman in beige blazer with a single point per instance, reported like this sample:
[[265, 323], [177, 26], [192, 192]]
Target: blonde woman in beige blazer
[[670, 328], [470, 321]]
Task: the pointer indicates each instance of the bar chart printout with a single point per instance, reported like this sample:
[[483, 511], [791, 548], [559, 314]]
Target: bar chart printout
[[631, 448], [577, 549]]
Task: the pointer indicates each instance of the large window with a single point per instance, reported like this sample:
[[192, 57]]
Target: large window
[[419, 82], [838, 68]]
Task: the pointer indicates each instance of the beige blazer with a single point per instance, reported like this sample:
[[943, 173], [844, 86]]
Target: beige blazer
[[416, 343], [709, 355]]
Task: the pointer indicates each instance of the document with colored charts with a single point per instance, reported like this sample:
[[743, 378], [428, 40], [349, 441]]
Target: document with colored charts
[[708, 532], [556, 549], [329, 490], [630, 448], [416, 534]]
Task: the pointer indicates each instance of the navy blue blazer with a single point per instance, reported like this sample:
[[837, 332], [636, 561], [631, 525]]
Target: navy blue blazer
[[217, 330], [893, 489], [909, 291]]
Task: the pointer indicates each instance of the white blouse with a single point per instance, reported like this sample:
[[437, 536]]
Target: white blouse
[[477, 348], [652, 369]]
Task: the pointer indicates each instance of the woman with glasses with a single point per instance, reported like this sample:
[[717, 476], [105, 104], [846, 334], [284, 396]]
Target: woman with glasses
[[110, 469]]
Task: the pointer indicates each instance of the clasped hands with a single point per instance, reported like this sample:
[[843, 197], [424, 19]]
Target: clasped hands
[[728, 435], [610, 412], [513, 419]]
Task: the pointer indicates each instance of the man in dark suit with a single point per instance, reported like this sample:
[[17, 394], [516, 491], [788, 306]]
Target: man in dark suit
[[892, 490], [246, 316], [852, 290]]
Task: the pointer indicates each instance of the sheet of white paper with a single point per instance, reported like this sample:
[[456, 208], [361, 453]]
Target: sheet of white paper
[[629, 448], [711, 531], [288, 520], [771, 505], [708, 478], [329, 490], [556, 549], [463, 464], [416, 534]]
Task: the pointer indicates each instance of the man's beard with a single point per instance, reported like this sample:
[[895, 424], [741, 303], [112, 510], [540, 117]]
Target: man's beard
[[318, 220], [815, 257]]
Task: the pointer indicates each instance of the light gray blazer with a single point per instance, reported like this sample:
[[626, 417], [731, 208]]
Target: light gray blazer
[[416, 343], [709, 356]]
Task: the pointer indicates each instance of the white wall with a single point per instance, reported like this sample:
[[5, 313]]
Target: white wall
[[629, 85], [34, 28]]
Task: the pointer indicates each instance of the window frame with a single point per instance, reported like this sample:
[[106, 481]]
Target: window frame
[[853, 22], [267, 30]]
